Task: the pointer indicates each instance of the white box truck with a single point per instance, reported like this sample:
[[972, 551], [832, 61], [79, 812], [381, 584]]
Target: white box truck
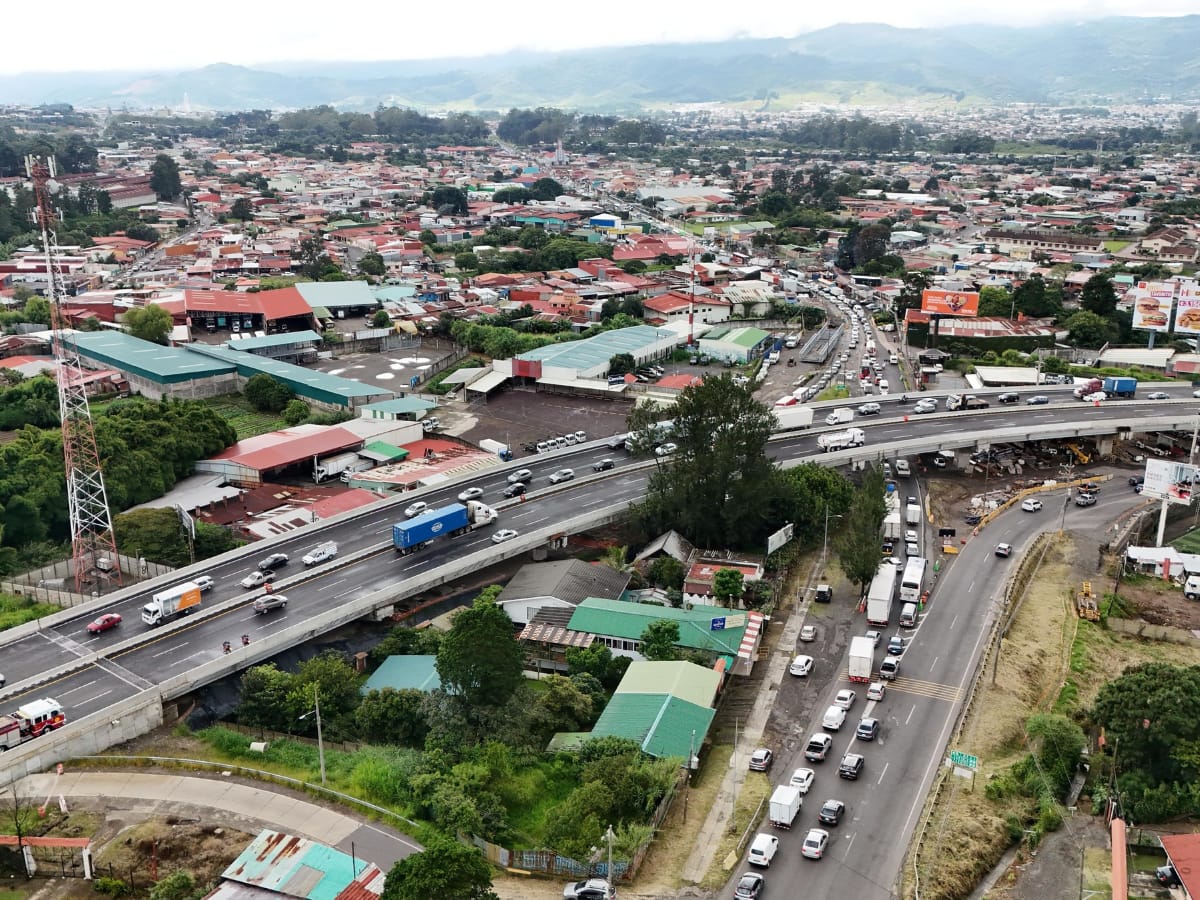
[[171, 602], [790, 418], [912, 514], [785, 806], [842, 440], [862, 658], [841, 416]]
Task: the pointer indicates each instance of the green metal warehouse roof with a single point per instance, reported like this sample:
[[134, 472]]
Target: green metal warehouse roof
[[663, 725], [337, 294], [684, 680], [742, 337], [162, 365], [307, 336], [400, 405], [305, 382], [622, 619], [405, 672], [594, 351]]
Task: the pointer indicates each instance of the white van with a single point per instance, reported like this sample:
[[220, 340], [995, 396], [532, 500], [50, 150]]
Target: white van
[[893, 358], [902, 468], [763, 850], [908, 615]]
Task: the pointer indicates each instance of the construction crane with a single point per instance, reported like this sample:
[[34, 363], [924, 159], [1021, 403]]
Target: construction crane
[[93, 546]]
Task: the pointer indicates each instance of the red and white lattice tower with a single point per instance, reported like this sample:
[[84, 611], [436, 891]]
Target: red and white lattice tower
[[91, 523]]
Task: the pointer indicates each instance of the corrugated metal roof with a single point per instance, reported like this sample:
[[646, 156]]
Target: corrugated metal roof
[[661, 724], [162, 365], [294, 866], [337, 294], [416, 672], [289, 445], [400, 405], [684, 680], [568, 580], [547, 633], [619, 619], [591, 352], [488, 382], [308, 336], [305, 382]]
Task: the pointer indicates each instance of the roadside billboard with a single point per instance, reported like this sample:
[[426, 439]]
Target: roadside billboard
[[950, 303], [1187, 314], [1174, 481], [1152, 305]]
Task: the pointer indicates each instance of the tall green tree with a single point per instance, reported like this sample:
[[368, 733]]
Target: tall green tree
[[717, 487], [150, 323], [1087, 329], [37, 310], [728, 586], [479, 660], [164, 178], [267, 394], [445, 869], [857, 541], [391, 716], [660, 640], [449, 199], [372, 264], [242, 209], [1099, 296]]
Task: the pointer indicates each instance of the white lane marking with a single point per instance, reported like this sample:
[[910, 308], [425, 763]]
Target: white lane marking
[[952, 621], [335, 583], [74, 689], [971, 588], [91, 700], [170, 650], [850, 843], [910, 714], [934, 663], [884, 772]]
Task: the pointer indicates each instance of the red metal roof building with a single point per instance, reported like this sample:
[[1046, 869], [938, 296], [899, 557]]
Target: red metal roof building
[[248, 461]]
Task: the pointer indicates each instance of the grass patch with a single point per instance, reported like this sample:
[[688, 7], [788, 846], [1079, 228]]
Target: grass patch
[[6, 894], [16, 611], [1116, 246], [245, 419], [1097, 872], [751, 800], [531, 792], [834, 392], [1188, 543]]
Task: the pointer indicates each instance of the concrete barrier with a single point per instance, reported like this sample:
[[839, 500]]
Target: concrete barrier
[[119, 722]]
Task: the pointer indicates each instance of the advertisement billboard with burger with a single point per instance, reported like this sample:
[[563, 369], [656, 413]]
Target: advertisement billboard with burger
[[950, 303], [1187, 313], [1152, 305]]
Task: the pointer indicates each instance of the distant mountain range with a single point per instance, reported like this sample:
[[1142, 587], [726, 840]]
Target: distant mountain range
[[1113, 60]]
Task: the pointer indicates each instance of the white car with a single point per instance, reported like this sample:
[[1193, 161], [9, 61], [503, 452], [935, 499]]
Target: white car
[[808, 633], [562, 475], [666, 449], [204, 582], [910, 537], [471, 494], [833, 719], [802, 779], [1196, 394], [925, 406], [522, 475], [504, 534], [1031, 504], [415, 509], [844, 699], [815, 843], [868, 409], [875, 636], [801, 666], [876, 690], [1096, 397]]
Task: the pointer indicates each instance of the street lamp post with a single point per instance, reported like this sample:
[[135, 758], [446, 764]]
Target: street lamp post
[[320, 743]]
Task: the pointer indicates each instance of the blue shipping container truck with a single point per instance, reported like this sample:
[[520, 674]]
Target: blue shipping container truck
[[434, 523], [1120, 386], [452, 519]]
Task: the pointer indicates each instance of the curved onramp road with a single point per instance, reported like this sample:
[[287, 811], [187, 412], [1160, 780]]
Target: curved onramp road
[[244, 806]]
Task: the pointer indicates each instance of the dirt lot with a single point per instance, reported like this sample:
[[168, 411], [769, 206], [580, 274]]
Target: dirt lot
[[518, 417], [1160, 603], [132, 847]]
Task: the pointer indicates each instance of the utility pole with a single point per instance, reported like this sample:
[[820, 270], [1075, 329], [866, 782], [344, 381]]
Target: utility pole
[[320, 742], [612, 882]]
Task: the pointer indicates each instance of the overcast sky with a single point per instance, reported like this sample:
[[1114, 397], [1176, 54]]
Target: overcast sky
[[153, 34]]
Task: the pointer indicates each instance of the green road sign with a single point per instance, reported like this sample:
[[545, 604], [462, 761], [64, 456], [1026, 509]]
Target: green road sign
[[966, 760]]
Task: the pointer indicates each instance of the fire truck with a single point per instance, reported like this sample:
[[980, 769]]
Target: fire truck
[[29, 721]]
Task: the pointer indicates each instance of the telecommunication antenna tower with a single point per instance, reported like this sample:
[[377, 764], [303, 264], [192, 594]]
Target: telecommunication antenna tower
[[92, 538]]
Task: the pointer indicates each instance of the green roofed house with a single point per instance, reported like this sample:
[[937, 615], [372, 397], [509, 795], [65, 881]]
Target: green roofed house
[[740, 344], [417, 673], [619, 624], [667, 707]]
